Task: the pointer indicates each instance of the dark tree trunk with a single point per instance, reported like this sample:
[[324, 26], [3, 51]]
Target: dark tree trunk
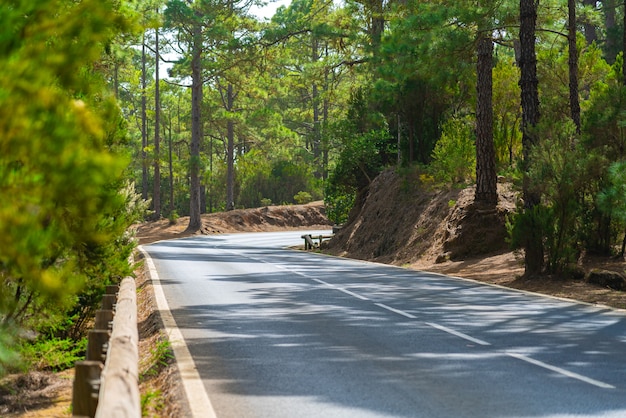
[[170, 167], [486, 177], [156, 194], [530, 118], [195, 220], [610, 24], [574, 101], [144, 125], [591, 33], [230, 175], [624, 46]]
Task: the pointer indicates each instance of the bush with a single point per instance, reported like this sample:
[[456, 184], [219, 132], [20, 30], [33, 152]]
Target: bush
[[52, 354], [454, 156], [303, 198]]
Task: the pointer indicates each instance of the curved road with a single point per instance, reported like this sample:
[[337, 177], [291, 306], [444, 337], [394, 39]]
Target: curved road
[[269, 332]]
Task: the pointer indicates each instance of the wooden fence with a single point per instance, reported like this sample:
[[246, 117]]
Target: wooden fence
[[106, 383]]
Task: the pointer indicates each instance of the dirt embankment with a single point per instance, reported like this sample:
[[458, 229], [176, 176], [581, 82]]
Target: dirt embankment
[[265, 219], [405, 222]]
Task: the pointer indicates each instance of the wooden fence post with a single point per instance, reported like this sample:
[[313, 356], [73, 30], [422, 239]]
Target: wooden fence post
[[86, 387]]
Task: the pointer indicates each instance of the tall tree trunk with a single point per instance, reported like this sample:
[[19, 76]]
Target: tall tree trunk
[[377, 22], [534, 253], [230, 133], [486, 177], [144, 124], [156, 194], [574, 101], [171, 167], [315, 56], [610, 25], [624, 47], [591, 33], [195, 220]]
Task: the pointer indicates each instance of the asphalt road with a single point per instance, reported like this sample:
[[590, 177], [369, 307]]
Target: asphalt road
[[273, 332]]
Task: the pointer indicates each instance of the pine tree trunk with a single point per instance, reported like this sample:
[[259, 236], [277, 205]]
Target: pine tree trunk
[[624, 46], [230, 133], [591, 33], [573, 66], [486, 177], [144, 125], [530, 118], [156, 194], [195, 221], [610, 24]]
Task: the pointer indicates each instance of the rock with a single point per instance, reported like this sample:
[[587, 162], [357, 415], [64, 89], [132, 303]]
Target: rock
[[606, 278]]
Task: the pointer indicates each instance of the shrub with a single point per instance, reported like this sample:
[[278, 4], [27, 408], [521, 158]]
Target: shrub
[[302, 198], [454, 156]]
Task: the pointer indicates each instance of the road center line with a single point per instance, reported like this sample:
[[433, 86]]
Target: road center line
[[348, 292], [319, 281], [561, 371], [522, 357], [198, 400], [457, 333], [394, 310]]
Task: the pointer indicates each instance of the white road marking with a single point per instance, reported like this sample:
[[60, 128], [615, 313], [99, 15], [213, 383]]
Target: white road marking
[[348, 292], [317, 280], [398, 311], [561, 371], [457, 333], [199, 402]]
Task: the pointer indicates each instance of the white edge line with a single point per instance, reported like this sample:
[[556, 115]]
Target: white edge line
[[199, 402], [457, 333], [398, 311], [561, 371]]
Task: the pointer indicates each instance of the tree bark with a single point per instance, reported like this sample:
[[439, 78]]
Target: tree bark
[[534, 253], [195, 221], [144, 123], [486, 177], [230, 133], [610, 25], [591, 33], [156, 193], [573, 66], [624, 47]]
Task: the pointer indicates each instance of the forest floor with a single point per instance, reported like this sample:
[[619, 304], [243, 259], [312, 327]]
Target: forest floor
[[407, 226]]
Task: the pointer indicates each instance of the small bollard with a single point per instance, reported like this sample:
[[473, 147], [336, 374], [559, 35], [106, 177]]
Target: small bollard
[[86, 388]]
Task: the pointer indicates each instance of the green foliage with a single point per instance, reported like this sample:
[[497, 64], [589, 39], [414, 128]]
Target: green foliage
[[302, 198], [151, 401], [507, 135], [53, 354], [559, 173], [277, 180], [454, 156], [62, 219], [612, 199], [365, 140], [160, 357]]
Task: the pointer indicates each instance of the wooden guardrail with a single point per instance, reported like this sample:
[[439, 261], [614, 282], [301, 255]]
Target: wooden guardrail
[[309, 242], [106, 383]]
